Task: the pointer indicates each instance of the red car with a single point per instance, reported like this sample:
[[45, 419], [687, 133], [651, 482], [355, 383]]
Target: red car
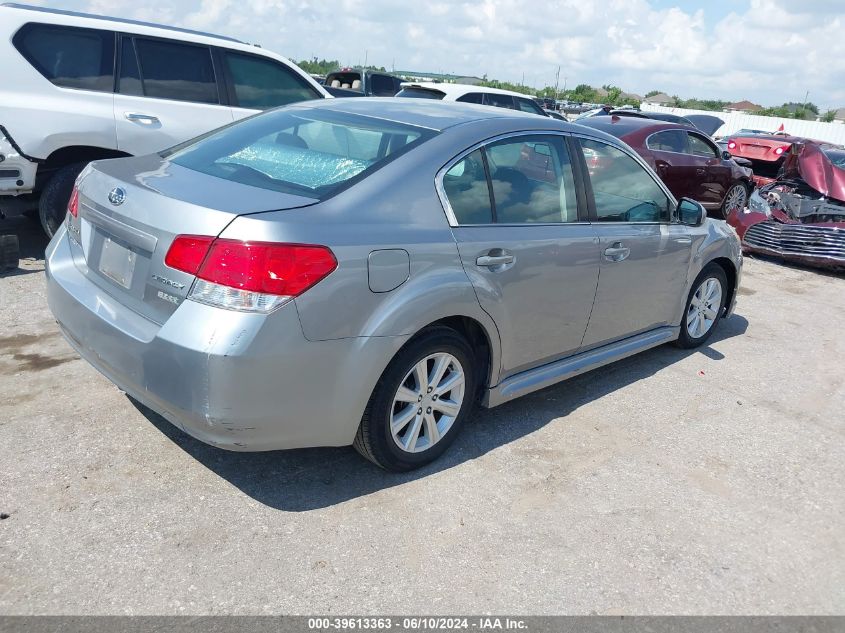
[[686, 159], [800, 216], [767, 152]]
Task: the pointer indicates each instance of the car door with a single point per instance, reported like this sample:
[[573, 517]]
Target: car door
[[673, 163], [167, 93], [717, 180], [257, 83], [520, 225], [644, 254]]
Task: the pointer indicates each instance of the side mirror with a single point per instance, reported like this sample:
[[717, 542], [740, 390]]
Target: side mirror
[[691, 212], [726, 155]]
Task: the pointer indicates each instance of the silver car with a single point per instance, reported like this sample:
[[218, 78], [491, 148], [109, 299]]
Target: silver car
[[364, 271]]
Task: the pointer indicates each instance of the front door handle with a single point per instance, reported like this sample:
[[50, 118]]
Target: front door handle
[[616, 252], [145, 119], [683, 240], [494, 260]]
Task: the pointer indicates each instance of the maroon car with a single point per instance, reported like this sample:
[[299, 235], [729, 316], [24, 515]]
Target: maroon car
[[800, 216], [686, 159], [766, 152]]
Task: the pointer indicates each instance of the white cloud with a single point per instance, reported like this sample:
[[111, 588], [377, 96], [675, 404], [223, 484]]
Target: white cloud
[[770, 52]]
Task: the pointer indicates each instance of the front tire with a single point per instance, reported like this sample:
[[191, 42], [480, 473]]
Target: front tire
[[704, 308], [735, 199], [52, 207], [420, 402]]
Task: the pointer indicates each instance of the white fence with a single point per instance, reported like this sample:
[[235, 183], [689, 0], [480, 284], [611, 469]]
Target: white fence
[[830, 132]]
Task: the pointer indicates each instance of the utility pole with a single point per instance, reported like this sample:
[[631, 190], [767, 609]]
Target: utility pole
[[557, 81], [366, 56]]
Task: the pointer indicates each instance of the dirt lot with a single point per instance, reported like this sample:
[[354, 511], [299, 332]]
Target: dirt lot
[[672, 482]]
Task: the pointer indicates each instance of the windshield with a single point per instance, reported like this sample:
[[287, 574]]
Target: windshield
[[307, 152], [836, 156]]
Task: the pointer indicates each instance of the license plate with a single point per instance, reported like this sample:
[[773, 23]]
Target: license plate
[[117, 263]]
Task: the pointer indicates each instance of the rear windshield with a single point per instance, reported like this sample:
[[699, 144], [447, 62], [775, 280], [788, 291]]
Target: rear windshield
[[314, 153], [421, 93]]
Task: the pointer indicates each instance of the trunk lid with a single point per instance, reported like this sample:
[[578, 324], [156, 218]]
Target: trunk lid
[[130, 210]]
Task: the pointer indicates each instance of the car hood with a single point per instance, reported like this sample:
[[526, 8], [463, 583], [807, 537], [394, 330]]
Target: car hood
[[706, 123], [811, 164]]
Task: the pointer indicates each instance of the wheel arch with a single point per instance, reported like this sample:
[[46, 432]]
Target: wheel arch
[[70, 155], [731, 274]]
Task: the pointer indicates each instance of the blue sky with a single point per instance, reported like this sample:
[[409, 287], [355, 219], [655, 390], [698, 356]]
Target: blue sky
[[768, 51]]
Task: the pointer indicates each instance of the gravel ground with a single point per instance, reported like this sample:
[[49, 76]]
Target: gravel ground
[[704, 482]]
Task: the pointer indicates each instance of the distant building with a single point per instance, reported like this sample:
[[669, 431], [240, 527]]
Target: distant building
[[743, 106], [660, 99], [631, 95], [840, 115]]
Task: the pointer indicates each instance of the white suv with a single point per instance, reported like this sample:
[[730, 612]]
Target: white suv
[[76, 88]]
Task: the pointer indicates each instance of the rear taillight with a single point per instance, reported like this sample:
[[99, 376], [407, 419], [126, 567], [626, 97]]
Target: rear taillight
[[73, 203], [780, 150], [249, 276], [731, 144]]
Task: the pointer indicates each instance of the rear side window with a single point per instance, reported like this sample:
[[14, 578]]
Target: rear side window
[[668, 141], [69, 57], [622, 189], [261, 84], [532, 180], [180, 72], [130, 77], [304, 152], [466, 188]]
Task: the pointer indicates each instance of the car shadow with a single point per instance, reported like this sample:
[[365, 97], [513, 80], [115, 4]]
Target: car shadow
[[32, 242], [309, 479]]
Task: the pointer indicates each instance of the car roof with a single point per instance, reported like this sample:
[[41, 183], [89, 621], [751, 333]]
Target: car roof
[[126, 21], [440, 115], [453, 91], [620, 126]]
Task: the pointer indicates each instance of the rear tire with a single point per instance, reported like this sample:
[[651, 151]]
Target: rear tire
[[52, 207], [411, 420], [704, 307], [9, 252]]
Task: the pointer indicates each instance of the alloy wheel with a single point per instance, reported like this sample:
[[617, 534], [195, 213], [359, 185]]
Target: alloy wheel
[[704, 307], [427, 402], [736, 199]]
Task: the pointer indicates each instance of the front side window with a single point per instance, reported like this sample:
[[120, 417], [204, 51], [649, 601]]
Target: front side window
[[699, 147], [306, 152], [467, 189], [532, 180], [261, 84], [668, 141], [527, 105], [471, 97], [622, 188], [180, 72], [69, 57]]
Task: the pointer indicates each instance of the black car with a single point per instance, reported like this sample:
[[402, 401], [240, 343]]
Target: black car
[[368, 83]]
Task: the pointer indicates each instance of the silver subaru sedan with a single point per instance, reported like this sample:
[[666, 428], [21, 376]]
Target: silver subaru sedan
[[365, 271]]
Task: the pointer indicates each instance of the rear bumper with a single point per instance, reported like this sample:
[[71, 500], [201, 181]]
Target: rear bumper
[[242, 382]]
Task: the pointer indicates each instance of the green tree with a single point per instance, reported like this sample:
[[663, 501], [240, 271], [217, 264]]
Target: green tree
[[829, 116], [651, 93]]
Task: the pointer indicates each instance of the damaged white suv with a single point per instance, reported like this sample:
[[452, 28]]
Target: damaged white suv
[[77, 88]]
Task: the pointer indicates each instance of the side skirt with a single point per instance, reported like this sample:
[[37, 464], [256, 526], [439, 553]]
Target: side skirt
[[547, 375]]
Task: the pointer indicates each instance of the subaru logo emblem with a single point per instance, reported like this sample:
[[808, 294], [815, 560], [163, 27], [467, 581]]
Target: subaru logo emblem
[[117, 196]]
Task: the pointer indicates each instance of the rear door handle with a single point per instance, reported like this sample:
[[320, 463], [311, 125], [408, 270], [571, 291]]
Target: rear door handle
[[684, 240], [146, 119], [495, 260], [617, 252]]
